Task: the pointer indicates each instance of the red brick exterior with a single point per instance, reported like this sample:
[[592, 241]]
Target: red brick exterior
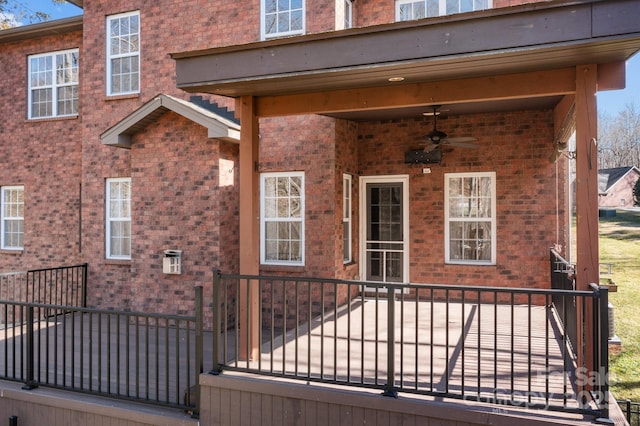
[[179, 202], [45, 157], [515, 145]]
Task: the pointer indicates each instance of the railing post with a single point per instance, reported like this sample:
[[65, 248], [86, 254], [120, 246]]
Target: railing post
[[30, 382], [603, 356], [85, 268], [391, 343], [217, 280], [199, 349]]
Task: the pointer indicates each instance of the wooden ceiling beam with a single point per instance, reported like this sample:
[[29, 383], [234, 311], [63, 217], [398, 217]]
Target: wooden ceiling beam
[[476, 89]]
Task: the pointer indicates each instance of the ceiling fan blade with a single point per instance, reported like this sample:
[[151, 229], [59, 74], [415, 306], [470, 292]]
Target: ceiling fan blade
[[460, 144], [461, 139], [431, 147]]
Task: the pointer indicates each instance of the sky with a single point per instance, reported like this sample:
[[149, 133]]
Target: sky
[[609, 102]]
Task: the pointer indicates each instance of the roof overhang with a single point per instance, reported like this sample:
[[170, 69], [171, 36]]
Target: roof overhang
[[217, 127], [42, 29], [528, 38]]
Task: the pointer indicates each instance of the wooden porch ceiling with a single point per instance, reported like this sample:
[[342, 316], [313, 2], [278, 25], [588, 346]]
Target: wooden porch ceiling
[[515, 44]]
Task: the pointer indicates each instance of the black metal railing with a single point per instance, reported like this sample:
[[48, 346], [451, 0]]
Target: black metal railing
[[64, 285], [563, 278], [500, 345], [631, 411], [138, 356]]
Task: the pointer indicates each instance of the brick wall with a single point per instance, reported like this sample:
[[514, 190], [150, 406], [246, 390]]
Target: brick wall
[[305, 143], [202, 221], [517, 146], [44, 156], [173, 156]]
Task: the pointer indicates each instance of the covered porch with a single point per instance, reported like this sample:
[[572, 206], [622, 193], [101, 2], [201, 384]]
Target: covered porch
[[551, 57]]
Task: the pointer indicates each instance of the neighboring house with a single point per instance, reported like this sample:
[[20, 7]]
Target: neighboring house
[[615, 186], [118, 143]]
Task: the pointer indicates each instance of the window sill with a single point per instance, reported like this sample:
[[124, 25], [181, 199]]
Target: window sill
[[118, 262], [122, 97], [14, 252], [469, 264], [48, 119], [281, 268]]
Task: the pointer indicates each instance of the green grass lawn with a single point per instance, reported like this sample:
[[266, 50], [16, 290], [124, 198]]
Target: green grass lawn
[[620, 246]]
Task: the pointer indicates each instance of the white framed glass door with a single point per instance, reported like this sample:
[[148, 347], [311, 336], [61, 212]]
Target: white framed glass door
[[385, 228]]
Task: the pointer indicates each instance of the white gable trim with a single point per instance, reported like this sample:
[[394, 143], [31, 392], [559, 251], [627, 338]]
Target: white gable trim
[[217, 127]]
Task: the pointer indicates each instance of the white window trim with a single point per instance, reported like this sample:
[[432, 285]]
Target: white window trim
[[109, 57], [344, 14], [3, 217], [492, 220], [347, 204], [54, 85], [302, 219], [108, 219], [442, 7], [263, 32]]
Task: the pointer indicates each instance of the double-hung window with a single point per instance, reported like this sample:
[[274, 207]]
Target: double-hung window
[[282, 218], [470, 218], [348, 14], [344, 14], [12, 217], [53, 84], [282, 18], [118, 218], [407, 10], [346, 218], [123, 54]]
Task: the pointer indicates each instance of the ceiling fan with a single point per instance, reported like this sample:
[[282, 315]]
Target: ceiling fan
[[438, 138]]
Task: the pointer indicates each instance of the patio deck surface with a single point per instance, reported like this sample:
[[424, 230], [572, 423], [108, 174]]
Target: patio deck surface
[[471, 351], [486, 352]]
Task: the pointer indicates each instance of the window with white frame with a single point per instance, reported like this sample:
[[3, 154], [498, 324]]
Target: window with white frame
[[470, 222], [407, 10], [123, 53], [12, 217], [118, 218], [348, 14], [53, 84], [346, 218], [282, 18], [282, 218], [344, 14]]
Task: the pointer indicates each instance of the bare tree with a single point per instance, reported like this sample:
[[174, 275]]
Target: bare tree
[[619, 138], [14, 12]]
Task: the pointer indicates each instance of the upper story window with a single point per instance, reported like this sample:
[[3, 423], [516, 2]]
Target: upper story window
[[118, 218], [407, 10], [344, 14], [12, 217], [470, 218], [282, 18], [53, 84], [282, 218], [123, 54]]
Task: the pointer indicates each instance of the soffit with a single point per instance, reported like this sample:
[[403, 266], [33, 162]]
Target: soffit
[[541, 36], [42, 29]]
